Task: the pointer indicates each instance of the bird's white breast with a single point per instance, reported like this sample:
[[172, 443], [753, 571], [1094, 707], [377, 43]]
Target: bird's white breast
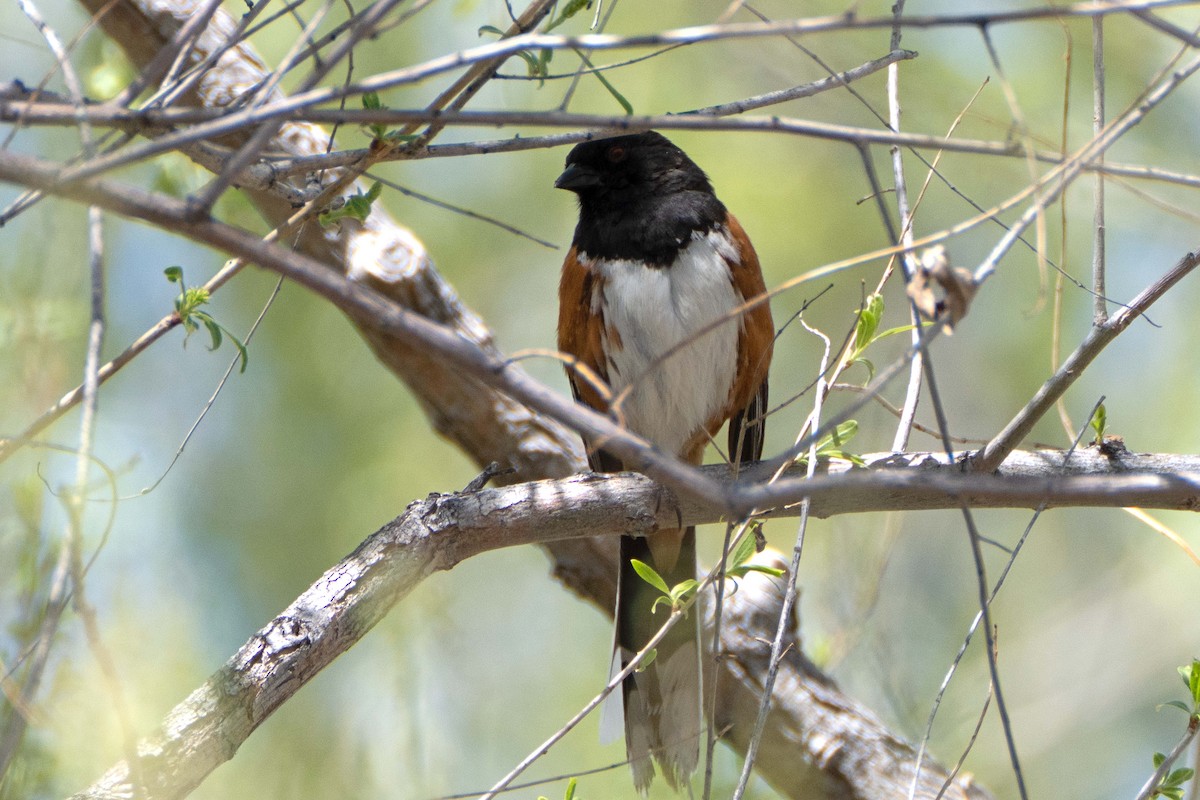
[[652, 310]]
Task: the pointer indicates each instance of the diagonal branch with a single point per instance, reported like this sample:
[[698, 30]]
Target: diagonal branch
[[1097, 339]]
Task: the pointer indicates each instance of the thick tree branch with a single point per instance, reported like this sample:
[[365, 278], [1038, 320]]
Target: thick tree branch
[[810, 716]]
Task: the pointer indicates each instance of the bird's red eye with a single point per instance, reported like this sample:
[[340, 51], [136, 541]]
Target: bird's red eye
[[615, 154]]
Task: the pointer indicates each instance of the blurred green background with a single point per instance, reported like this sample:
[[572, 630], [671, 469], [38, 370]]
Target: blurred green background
[[316, 445]]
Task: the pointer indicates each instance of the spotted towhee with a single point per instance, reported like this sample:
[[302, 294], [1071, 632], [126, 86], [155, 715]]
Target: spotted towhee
[[653, 301]]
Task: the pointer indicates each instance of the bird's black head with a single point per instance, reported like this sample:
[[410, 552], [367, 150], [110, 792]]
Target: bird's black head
[[637, 164], [640, 197]]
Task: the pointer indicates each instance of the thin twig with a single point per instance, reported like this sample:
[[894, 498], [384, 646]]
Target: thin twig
[[962, 759], [710, 744], [834, 81], [1194, 791], [1038, 205], [1056, 300], [18, 105], [912, 395], [1099, 308], [209, 125], [466, 212]]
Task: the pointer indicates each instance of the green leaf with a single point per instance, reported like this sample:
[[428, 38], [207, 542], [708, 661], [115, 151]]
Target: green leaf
[[371, 102], [397, 136], [839, 436], [535, 65], [681, 591], [866, 362], [187, 306], [842, 455], [1180, 776], [242, 353], [845, 431], [899, 329], [1158, 759], [197, 296], [1182, 706], [648, 660], [620, 98], [774, 572], [741, 554], [866, 332], [357, 206], [830, 447], [569, 10], [1099, 423], [570, 795], [1193, 682], [647, 573], [532, 64], [868, 322], [214, 330]]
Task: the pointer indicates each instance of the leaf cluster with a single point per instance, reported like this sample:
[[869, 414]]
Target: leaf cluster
[[832, 446], [1174, 782], [192, 317], [357, 206], [737, 566], [379, 132]]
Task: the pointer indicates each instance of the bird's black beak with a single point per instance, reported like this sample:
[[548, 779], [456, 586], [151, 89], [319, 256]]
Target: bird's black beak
[[576, 177]]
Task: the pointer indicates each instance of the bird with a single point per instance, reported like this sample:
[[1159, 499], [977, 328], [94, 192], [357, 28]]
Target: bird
[[664, 324]]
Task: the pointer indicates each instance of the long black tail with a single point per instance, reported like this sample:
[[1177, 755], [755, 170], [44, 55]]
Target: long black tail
[[662, 701]]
